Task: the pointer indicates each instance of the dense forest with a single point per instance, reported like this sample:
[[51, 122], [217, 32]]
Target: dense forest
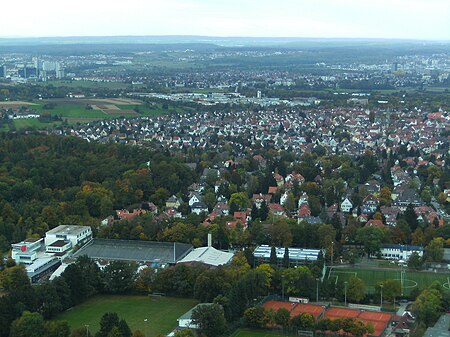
[[46, 181]]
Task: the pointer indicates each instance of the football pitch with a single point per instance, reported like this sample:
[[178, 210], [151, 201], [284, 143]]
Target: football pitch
[[371, 277], [161, 312]]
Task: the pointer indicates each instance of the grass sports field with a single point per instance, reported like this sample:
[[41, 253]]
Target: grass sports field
[[161, 312], [371, 277], [256, 333]]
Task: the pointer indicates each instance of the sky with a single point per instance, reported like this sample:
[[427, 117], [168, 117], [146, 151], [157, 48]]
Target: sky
[[392, 19]]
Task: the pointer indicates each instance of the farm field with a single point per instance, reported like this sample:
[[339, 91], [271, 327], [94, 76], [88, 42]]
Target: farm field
[[99, 108], [161, 312], [68, 109], [33, 122], [411, 279], [74, 110]]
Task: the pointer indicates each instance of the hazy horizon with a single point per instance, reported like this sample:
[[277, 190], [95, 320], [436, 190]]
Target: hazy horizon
[[427, 20]]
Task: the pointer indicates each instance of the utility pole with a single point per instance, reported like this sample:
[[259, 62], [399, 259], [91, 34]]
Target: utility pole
[[282, 287], [317, 290], [345, 293], [87, 330], [402, 274], [332, 252], [381, 299]]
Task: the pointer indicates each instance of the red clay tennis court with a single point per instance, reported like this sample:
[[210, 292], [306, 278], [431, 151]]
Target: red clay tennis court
[[275, 305], [379, 320], [296, 308], [315, 310], [334, 312], [377, 326], [375, 316]]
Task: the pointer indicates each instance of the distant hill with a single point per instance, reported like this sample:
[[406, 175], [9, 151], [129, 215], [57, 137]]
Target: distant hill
[[77, 45], [192, 39]]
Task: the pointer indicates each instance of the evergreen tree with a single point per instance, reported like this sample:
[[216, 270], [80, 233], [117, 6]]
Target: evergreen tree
[[411, 217], [273, 256], [263, 211], [255, 212], [286, 257]]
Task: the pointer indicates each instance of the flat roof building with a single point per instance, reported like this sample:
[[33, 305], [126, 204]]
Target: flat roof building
[[75, 234], [42, 267], [297, 256], [399, 252], [27, 251], [156, 253]]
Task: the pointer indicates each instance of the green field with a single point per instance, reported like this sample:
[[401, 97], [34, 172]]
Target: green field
[[161, 312], [75, 112], [412, 279], [144, 110], [256, 333], [70, 110], [33, 122]]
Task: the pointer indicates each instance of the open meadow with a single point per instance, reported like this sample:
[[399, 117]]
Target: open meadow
[[161, 312]]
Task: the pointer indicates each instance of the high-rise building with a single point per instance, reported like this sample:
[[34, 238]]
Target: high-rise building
[[59, 70], [394, 66], [3, 71], [49, 66]]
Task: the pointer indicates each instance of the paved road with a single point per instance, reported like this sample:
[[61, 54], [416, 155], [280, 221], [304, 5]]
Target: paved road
[[402, 308]]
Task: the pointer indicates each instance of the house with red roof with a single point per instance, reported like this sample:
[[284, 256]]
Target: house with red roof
[[304, 211], [375, 223], [273, 189], [277, 209], [279, 179], [124, 214]]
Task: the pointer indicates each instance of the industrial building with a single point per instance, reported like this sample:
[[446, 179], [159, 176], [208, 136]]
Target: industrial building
[[148, 252]]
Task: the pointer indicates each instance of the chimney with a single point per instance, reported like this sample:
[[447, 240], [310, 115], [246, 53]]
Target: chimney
[[209, 240]]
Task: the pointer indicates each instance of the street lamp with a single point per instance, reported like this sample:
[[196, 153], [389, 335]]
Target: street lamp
[[345, 293], [87, 330], [332, 253], [145, 327], [381, 294], [317, 290]]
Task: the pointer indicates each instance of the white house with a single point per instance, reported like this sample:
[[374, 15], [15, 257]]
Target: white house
[[399, 252], [194, 198], [198, 208], [75, 234], [346, 205], [303, 199], [283, 198]]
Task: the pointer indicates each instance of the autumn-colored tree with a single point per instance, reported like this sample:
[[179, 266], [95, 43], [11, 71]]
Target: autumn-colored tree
[[356, 289], [385, 196]]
